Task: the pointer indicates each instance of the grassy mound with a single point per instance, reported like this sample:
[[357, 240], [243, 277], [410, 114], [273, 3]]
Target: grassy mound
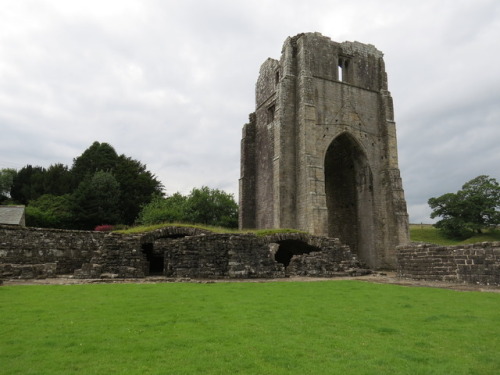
[[258, 232]]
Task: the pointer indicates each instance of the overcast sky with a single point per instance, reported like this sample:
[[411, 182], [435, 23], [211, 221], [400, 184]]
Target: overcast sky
[[171, 83]]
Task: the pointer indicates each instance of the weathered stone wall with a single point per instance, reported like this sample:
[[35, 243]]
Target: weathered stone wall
[[119, 256], [249, 256], [476, 264], [39, 253], [221, 256], [173, 252], [320, 151], [193, 253]]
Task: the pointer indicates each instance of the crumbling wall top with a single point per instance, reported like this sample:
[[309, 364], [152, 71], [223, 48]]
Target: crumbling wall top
[[357, 48]]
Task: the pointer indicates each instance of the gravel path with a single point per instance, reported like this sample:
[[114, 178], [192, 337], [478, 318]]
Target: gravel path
[[377, 277]]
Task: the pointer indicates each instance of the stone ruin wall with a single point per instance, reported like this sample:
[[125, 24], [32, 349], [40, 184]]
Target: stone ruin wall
[[474, 264], [30, 253], [38, 253]]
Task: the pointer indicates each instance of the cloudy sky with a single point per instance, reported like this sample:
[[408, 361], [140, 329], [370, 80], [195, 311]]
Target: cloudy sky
[[170, 83]]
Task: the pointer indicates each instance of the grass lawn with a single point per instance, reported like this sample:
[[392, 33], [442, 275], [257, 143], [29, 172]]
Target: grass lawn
[[329, 327], [427, 233]]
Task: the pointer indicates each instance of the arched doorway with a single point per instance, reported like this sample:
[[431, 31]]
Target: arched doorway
[[349, 196]]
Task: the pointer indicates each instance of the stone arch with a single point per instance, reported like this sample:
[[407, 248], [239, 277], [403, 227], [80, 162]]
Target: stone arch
[[288, 248], [286, 245], [173, 232], [349, 196], [156, 258]]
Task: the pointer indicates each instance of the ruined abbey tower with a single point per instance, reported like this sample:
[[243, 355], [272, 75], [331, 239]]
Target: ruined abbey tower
[[319, 153]]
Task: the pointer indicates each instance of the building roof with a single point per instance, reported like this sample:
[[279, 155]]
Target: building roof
[[12, 215]]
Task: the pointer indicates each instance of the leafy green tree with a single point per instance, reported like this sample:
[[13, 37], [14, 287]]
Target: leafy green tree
[[50, 211], [58, 180], [212, 207], [28, 184], [475, 207], [96, 201], [6, 180], [163, 210], [202, 206], [98, 157], [137, 184], [137, 187]]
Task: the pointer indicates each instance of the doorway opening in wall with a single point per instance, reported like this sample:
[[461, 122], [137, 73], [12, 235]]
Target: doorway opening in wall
[[156, 261], [288, 248], [349, 195]]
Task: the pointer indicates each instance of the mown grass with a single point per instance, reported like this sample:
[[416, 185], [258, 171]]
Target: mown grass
[[427, 233], [330, 327]]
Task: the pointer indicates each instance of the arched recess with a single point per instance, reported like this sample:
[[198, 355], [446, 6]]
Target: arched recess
[[349, 196], [154, 246], [290, 247]]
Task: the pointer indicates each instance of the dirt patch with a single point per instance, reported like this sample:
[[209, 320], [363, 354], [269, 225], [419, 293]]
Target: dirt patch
[[378, 278]]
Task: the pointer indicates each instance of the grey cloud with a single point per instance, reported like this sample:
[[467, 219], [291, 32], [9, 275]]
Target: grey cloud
[[172, 83]]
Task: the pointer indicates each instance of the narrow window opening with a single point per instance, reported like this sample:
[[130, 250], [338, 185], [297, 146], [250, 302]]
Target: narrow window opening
[[270, 113], [342, 69], [277, 78]]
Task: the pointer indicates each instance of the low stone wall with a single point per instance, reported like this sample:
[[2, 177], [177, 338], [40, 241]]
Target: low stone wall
[[40, 253], [119, 256], [175, 252], [476, 264], [222, 256], [186, 253]]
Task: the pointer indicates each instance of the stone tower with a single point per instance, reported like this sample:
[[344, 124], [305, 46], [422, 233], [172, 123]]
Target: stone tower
[[319, 153]]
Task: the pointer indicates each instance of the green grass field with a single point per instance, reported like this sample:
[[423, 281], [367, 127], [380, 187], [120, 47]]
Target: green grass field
[[427, 233], [329, 327]]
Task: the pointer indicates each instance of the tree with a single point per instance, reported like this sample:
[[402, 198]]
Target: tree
[[98, 157], [96, 201], [6, 179], [470, 210], [28, 184], [137, 187], [163, 210], [58, 180], [202, 206], [212, 207], [137, 184]]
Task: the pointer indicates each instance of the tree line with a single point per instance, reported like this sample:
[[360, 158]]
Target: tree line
[[102, 188]]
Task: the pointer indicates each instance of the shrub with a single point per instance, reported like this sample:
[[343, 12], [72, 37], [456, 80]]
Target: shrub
[[104, 228]]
